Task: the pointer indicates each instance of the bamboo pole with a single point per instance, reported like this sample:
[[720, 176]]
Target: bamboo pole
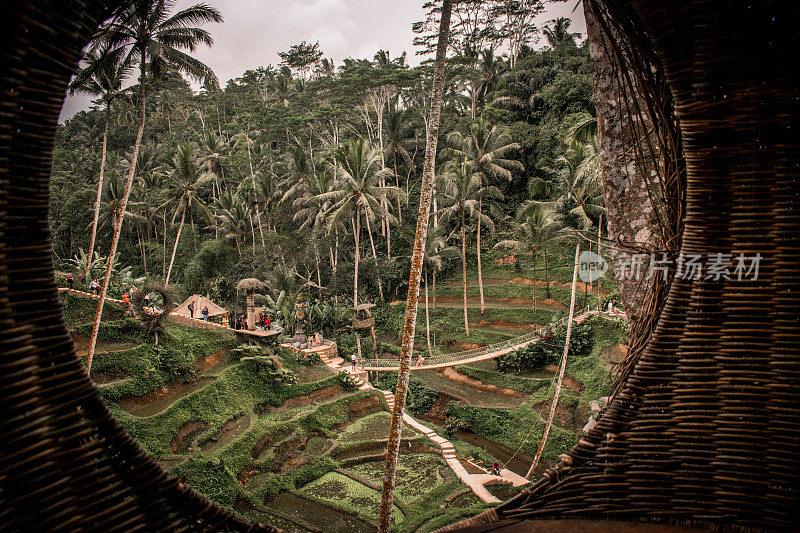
[[561, 368], [599, 279]]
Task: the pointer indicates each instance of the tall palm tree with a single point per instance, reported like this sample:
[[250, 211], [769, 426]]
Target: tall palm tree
[[311, 209], [398, 136], [410, 322], [247, 138], [267, 192], [298, 173], [102, 76], [557, 32], [462, 192], [486, 148], [533, 229], [230, 215], [357, 192], [326, 68], [435, 250], [283, 89], [187, 178], [153, 39]]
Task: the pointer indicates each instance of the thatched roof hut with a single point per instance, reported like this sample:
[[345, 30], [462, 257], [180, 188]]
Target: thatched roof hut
[[250, 285]]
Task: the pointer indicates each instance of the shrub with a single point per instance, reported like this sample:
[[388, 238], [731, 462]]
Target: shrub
[[346, 381]]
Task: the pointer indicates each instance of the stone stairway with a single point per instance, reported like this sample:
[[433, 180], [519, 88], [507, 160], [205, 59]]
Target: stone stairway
[[476, 482]]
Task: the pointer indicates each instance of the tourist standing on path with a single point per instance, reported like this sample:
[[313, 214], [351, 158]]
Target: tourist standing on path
[[267, 323], [205, 313], [191, 309], [94, 286], [496, 468], [127, 303], [70, 280]]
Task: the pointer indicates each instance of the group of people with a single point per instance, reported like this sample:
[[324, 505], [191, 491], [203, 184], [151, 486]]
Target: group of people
[[264, 320], [204, 312], [94, 286]]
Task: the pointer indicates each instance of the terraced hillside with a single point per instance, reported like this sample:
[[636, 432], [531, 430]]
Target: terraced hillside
[[289, 453], [296, 444]]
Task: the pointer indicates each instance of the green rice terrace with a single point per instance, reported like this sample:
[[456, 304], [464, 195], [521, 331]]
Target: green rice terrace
[[302, 448]]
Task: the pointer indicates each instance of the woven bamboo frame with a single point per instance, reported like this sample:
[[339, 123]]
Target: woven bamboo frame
[[705, 432]]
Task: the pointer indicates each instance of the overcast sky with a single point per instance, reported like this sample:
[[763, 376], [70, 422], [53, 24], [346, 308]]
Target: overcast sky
[[255, 31]]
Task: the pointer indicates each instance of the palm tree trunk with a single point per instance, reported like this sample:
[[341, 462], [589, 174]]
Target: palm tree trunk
[[534, 294], [251, 311], [561, 367], [397, 181], [427, 314], [480, 273], [253, 233], [600, 278], [434, 288], [144, 254], [375, 256], [175, 247], [118, 229], [546, 274], [356, 232], [464, 269], [393, 446], [99, 191], [255, 199]]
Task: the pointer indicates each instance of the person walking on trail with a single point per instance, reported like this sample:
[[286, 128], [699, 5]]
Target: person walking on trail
[[496, 468], [191, 309], [205, 313], [70, 279], [94, 286], [127, 302], [267, 323]]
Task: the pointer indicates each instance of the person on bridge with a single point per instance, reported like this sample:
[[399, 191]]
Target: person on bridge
[[95, 287], [267, 323], [127, 303]]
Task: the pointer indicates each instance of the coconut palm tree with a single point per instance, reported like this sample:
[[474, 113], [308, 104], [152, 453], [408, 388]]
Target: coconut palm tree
[[298, 172], [357, 192], [435, 250], [462, 192], [283, 89], [247, 138], [103, 73], [398, 136], [250, 286], [187, 179], [326, 68], [533, 229], [393, 446], [486, 148], [153, 39], [230, 215], [557, 32]]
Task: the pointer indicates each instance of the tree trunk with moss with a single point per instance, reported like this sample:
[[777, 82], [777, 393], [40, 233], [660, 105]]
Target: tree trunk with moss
[[251, 311], [630, 214], [409, 326]]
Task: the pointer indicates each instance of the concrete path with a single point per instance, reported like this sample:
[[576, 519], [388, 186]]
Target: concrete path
[[476, 482]]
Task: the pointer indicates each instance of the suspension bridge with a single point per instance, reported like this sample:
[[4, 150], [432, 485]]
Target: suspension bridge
[[478, 354]]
